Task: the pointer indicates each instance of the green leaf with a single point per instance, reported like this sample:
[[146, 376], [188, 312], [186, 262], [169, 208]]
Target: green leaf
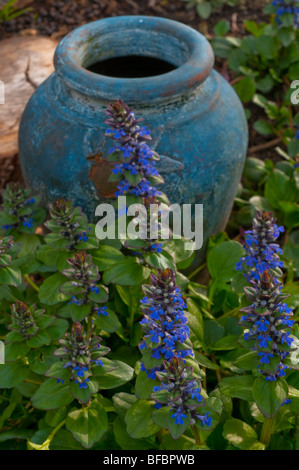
[[49, 293], [41, 360], [195, 324], [213, 332], [139, 420], [64, 440], [83, 395], [144, 386], [222, 260], [108, 323], [176, 430], [122, 402], [265, 84], [106, 256], [10, 276], [293, 147], [245, 89], [227, 343], [240, 434], [259, 203], [51, 395], [15, 434], [204, 9], [40, 339], [88, 424], [101, 297], [115, 378], [286, 36], [48, 255], [237, 387], [125, 441], [254, 169], [13, 374], [29, 244], [14, 351], [76, 312], [128, 272], [269, 396], [58, 328], [253, 28], [54, 417], [263, 127], [160, 416], [176, 248], [58, 371], [160, 260], [221, 28], [248, 361], [267, 46], [279, 187], [205, 362]]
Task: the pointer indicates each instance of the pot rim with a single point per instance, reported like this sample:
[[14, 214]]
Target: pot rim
[[69, 59]]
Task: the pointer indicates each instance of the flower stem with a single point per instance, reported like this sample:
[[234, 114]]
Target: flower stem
[[35, 382], [196, 271], [267, 430], [217, 371], [197, 436], [32, 284], [132, 309], [89, 327], [56, 429]]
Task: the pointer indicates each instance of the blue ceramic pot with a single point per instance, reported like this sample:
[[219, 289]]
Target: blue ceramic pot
[[197, 121]]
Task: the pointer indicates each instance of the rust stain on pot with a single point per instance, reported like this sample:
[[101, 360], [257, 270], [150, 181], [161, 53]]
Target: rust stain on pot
[[99, 174]]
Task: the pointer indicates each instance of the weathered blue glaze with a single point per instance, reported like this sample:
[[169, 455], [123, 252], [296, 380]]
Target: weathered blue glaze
[[197, 121]]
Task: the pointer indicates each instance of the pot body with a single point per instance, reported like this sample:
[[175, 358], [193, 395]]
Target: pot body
[[196, 120]]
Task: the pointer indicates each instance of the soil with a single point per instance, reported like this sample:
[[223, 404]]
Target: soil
[[55, 18]]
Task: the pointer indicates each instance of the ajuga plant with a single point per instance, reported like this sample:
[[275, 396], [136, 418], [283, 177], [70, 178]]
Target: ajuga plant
[[149, 230], [69, 227], [29, 326], [179, 391], [10, 275], [166, 333], [135, 169], [19, 211], [6, 243], [80, 354], [83, 288], [261, 251], [165, 346], [268, 320], [137, 177]]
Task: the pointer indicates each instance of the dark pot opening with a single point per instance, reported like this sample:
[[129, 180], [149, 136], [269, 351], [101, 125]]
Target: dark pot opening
[[131, 66]]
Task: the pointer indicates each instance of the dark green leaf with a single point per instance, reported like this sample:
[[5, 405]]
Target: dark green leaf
[[139, 420], [51, 395], [269, 396], [88, 424]]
